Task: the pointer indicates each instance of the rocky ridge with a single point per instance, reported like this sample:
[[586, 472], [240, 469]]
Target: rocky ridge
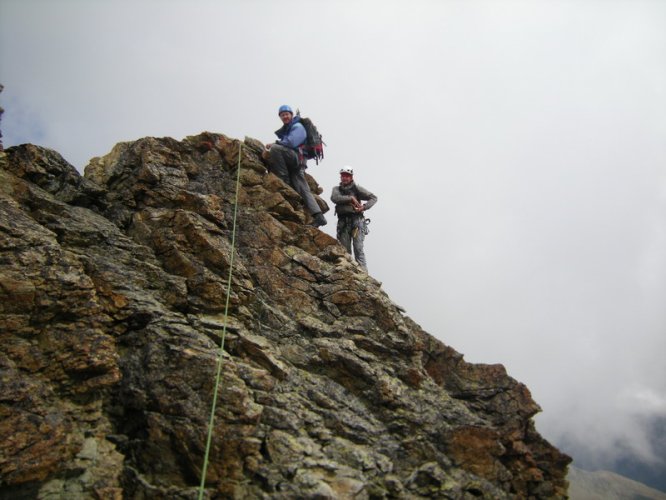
[[112, 312]]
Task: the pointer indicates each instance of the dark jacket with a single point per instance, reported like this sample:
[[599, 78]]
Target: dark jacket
[[342, 196]]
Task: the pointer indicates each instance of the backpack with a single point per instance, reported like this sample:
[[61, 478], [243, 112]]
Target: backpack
[[313, 147]]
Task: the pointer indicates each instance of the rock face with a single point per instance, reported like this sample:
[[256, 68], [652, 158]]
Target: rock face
[[112, 300]]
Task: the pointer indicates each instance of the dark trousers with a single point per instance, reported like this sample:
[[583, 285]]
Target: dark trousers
[[283, 162]]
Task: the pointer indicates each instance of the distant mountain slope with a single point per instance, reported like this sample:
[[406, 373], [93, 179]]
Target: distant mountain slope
[[605, 485]]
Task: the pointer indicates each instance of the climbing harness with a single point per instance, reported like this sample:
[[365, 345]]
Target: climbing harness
[[362, 226], [224, 331]]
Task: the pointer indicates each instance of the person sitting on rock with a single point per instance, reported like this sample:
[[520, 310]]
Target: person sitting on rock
[[347, 197], [283, 161]]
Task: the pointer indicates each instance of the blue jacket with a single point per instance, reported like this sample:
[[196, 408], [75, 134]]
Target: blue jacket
[[293, 134]]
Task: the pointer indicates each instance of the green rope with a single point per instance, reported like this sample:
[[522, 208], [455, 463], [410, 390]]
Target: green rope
[[224, 331]]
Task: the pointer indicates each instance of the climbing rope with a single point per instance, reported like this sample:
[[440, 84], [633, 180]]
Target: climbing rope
[[224, 331]]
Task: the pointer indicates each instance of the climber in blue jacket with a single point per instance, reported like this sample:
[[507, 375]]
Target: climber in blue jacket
[[283, 160], [292, 134]]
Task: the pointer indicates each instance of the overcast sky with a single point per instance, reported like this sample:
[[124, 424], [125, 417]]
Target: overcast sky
[[518, 150]]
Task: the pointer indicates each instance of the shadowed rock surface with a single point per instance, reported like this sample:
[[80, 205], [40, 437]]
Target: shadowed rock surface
[[112, 299]]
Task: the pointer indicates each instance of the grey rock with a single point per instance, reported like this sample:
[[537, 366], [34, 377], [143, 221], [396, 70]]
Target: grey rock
[[113, 327]]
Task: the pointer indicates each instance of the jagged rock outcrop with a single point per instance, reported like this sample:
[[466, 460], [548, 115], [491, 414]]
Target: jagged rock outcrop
[[112, 300]]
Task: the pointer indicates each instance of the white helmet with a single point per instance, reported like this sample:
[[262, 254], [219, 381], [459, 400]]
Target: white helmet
[[347, 170]]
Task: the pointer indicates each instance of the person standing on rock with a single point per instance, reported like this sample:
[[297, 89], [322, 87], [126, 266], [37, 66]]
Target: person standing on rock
[[347, 197], [283, 161]]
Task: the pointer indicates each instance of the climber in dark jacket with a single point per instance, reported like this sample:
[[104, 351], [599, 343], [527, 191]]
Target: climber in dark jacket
[[347, 197], [283, 161]]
